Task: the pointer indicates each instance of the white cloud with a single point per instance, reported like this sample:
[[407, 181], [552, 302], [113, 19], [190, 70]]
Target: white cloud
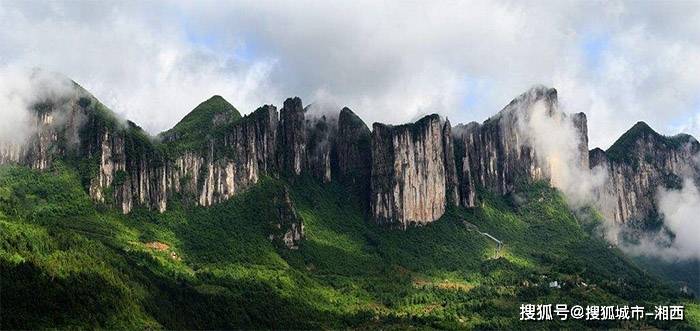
[[681, 209], [19, 90], [145, 69], [390, 62], [555, 140]]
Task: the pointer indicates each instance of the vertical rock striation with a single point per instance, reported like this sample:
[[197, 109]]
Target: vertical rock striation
[[321, 134], [292, 138], [409, 184], [238, 156], [353, 150], [288, 228], [451, 179], [638, 164], [503, 150]]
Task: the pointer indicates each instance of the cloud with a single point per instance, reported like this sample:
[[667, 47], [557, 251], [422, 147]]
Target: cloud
[[555, 140], [678, 239], [681, 209], [389, 62], [21, 89], [152, 62], [144, 68]]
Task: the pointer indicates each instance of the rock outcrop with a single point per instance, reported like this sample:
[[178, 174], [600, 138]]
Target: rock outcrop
[[407, 174], [639, 163], [497, 154], [52, 135], [353, 150], [291, 153], [321, 134], [239, 157], [288, 228], [409, 184]]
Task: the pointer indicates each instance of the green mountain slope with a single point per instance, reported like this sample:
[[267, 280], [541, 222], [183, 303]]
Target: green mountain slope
[[191, 132], [85, 265], [621, 149]]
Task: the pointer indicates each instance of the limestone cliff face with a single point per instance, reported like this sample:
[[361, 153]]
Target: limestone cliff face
[[353, 148], [408, 174], [409, 184], [321, 135], [581, 125], [53, 135], [638, 164], [288, 228], [133, 172], [291, 154], [122, 166], [451, 179], [238, 158], [497, 154]]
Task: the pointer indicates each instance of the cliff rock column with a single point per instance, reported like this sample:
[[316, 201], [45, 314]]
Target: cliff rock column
[[292, 138], [408, 184]]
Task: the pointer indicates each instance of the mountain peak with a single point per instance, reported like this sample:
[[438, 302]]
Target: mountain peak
[[348, 119], [215, 104], [642, 127], [198, 122], [522, 102], [641, 131]]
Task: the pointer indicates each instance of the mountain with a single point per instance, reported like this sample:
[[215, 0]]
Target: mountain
[[202, 120], [640, 162], [497, 154], [288, 220]]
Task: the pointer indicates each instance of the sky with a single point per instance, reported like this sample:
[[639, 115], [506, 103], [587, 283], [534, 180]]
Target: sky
[[152, 62]]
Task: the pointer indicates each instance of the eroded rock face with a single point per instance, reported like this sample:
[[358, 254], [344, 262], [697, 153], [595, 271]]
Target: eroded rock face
[[638, 164], [497, 154], [451, 179], [240, 157], [288, 228], [52, 134], [409, 178], [354, 155], [292, 138], [321, 135]]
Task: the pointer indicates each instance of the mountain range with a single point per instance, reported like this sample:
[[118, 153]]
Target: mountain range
[[298, 218]]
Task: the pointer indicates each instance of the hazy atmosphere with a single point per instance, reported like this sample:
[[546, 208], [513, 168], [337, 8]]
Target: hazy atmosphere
[[152, 62], [349, 165]]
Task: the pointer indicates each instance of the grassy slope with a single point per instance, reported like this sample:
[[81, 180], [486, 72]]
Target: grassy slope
[[85, 265], [191, 132]]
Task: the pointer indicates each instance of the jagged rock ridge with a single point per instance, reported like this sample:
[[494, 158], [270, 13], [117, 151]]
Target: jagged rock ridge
[[638, 164], [409, 174], [496, 154]]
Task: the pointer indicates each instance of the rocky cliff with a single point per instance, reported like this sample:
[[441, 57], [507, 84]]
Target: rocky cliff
[[291, 154], [638, 164], [52, 134], [321, 135], [409, 181], [407, 174], [497, 154], [353, 150], [208, 157], [288, 228]]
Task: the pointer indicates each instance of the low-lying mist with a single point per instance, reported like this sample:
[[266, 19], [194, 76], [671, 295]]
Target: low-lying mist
[[555, 140], [20, 90]]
